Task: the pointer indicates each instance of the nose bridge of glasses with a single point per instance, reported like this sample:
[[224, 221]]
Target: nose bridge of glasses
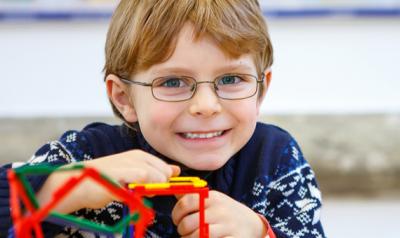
[[205, 101], [195, 89], [200, 82], [211, 82]]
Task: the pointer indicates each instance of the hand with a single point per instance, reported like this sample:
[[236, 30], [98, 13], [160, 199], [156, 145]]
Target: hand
[[225, 216], [133, 166]]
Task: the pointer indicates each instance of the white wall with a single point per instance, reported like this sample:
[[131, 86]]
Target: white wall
[[342, 65], [321, 66]]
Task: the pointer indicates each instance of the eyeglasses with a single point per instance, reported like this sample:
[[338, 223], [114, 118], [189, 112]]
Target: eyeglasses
[[182, 88]]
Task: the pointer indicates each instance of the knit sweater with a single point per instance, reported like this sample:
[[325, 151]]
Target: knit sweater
[[269, 175]]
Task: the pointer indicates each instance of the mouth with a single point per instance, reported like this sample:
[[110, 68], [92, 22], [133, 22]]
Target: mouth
[[202, 135]]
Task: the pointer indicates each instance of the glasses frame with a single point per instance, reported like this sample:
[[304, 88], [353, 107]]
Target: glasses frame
[[258, 81]]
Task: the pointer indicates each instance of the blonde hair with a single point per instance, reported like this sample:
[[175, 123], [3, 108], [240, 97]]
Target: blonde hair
[[143, 33]]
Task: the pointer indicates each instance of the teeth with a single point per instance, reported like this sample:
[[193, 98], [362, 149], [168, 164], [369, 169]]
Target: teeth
[[202, 135]]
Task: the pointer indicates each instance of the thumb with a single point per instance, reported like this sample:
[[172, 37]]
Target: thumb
[[176, 170]]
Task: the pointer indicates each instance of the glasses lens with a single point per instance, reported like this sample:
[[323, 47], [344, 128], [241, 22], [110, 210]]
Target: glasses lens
[[173, 88], [236, 86]]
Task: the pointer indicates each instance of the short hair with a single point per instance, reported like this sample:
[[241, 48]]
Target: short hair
[[143, 33]]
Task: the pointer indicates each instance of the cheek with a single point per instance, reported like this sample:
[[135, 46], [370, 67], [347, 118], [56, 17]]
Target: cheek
[[158, 115], [245, 111]]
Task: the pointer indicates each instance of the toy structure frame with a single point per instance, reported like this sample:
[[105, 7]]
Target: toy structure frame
[[28, 222]]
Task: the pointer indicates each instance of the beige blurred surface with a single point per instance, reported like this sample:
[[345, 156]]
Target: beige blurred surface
[[352, 155]]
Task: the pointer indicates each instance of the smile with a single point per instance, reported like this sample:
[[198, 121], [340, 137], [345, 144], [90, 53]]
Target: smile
[[190, 135]]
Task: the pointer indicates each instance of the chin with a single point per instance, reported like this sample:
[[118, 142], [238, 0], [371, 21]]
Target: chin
[[205, 164]]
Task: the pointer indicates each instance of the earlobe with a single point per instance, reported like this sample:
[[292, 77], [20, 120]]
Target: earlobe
[[118, 94]]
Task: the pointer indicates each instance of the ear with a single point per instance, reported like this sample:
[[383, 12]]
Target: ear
[[267, 80], [118, 94]]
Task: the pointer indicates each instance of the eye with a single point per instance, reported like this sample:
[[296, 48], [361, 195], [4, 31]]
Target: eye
[[229, 79], [172, 82]]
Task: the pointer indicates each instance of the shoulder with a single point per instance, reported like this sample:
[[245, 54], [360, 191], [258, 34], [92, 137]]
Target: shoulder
[[93, 141], [105, 139], [266, 147], [277, 149], [259, 158], [270, 136], [102, 130]]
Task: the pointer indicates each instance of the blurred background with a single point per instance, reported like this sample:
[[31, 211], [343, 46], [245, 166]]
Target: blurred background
[[335, 87]]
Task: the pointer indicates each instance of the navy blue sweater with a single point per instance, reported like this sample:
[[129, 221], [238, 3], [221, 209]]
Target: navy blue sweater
[[269, 175]]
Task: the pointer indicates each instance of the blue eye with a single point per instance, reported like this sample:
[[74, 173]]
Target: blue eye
[[172, 83], [229, 79]]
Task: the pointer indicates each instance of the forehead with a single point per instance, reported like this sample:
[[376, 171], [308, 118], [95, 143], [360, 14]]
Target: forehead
[[202, 54]]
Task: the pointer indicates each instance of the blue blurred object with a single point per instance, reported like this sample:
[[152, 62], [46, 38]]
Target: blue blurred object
[[54, 15], [81, 10], [333, 12]]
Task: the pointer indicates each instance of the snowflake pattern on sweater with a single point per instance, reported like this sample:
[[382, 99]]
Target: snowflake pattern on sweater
[[289, 197], [290, 200]]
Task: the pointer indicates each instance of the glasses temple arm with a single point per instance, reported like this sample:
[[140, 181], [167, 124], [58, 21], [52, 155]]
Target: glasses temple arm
[[135, 82]]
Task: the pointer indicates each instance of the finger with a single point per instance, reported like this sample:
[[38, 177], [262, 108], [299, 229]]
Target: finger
[[189, 224], [187, 204], [143, 174], [176, 170], [166, 169], [155, 162], [159, 164], [154, 175]]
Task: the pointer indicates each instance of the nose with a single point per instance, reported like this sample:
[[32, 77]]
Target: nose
[[205, 102]]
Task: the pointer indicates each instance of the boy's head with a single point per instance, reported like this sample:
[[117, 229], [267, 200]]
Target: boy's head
[[204, 39], [143, 33]]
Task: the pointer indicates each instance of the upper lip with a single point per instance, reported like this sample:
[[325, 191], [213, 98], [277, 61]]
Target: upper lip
[[203, 132]]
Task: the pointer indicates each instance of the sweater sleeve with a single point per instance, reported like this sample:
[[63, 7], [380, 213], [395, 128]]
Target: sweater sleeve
[[5, 221], [71, 147], [290, 199], [294, 199]]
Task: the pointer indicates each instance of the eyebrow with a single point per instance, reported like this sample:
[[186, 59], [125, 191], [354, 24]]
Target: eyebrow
[[187, 71], [234, 67], [173, 70]]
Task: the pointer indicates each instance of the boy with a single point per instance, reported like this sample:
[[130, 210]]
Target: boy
[[187, 78]]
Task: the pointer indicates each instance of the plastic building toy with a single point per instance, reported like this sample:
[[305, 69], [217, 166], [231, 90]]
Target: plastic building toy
[[178, 185], [27, 222]]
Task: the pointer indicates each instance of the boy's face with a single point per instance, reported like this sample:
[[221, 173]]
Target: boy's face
[[174, 128]]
